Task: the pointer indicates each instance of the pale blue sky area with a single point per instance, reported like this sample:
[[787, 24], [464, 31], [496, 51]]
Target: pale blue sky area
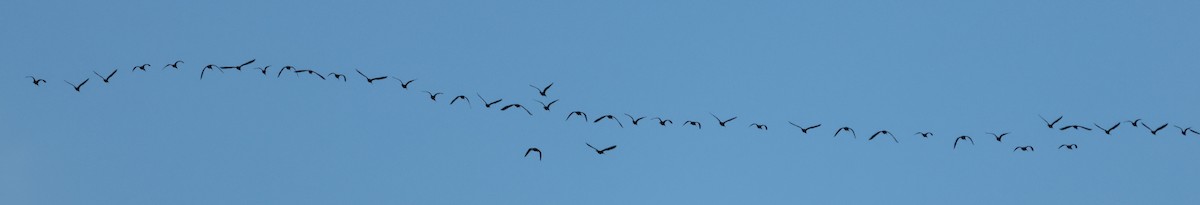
[[949, 67]]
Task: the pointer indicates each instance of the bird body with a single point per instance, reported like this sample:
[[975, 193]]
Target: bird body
[[881, 132], [611, 117], [689, 122], [1068, 146], [601, 151], [804, 129], [964, 137], [758, 126], [36, 81], [839, 131], [924, 134], [577, 113], [506, 107], [1024, 148]]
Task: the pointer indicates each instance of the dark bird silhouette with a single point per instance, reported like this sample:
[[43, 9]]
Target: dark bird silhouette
[[1024, 148], [140, 67], [506, 107], [924, 134], [1077, 127], [601, 151], [463, 97], [633, 119], [546, 106], [313, 72], [432, 96], [338, 76], [883, 132], [173, 65], [662, 121], [1050, 124], [534, 149], [487, 104], [78, 86], [264, 69], [404, 84], [804, 129], [238, 67], [208, 67], [542, 91], [105, 79], [689, 122], [1109, 130], [371, 79], [999, 138], [611, 117], [291, 68], [579, 113], [1183, 131], [1155, 130], [839, 131], [1134, 122], [1068, 146], [722, 122], [964, 137], [36, 81], [758, 126]]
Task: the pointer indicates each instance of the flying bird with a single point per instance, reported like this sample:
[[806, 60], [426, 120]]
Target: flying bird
[[722, 122], [924, 134], [313, 72], [238, 67], [486, 103], [689, 122], [337, 76], [1024, 148], [804, 129], [36, 81], [546, 106], [432, 96], [601, 151], [1000, 137], [78, 86], [208, 67], [662, 121], [173, 65], [758, 126], [634, 120], [463, 97], [1077, 127], [110, 75], [542, 91], [140, 67], [883, 132], [1109, 130], [264, 69], [1068, 146], [404, 84], [371, 79], [579, 113], [1155, 130], [964, 137], [534, 149], [835, 134], [291, 68], [516, 106], [1134, 122], [609, 117], [1050, 124]]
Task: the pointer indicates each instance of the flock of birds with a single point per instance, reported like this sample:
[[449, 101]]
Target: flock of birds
[[633, 120]]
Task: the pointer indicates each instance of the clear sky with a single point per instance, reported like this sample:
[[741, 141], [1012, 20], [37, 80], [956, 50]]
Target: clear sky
[[949, 67]]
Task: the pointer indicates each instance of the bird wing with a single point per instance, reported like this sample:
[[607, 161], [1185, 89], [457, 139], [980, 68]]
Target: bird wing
[[1157, 129], [609, 148], [547, 88], [590, 145], [360, 73], [110, 74], [526, 110], [528, 151], [86, 80], [248, 62], [1065, 128], [956, 142]]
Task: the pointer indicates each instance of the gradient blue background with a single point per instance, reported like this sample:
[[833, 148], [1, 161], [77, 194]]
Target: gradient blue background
[[950, 67]]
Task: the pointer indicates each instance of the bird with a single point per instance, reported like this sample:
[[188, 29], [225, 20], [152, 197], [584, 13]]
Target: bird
[[835, 134], [1109, 130], [601, 151], [264, 68], [337, 76], [759, 126], [883, 132], [1184, 131], [609, 117], [1134, 122], [542, 91], [487, 104], [463, 97], [37, 81], [238, 67], [546, 106], [78, 86], [1050, 124], [1068, 146], [999, 138], [1024, 148], [804, 129], [722, 122], [579, 113], [634, 120], [173, 65], [404, 84], [1154, 131], [689, 122], [534, 149], [517, 106], [313, 72], [924, 134], [964, 137], [292, 68], [662, 121], [432, 96], [370, 79], [140, 67], [208, 67], [1075, 127], [110, 75]]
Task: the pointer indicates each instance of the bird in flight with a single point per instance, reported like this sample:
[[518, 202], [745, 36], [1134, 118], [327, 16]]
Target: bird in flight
[[432, 96], [722, 122], [1068, 146], [463, 97], [883, 132], [542, 91], [1075, 127], [264, 69], [1184, 131], [689, 122], [634, 120], [804, 129], [662, 121], [611, 117], [313, 72], [487, 104], [579, 113], [105, 79], [208, 67], [141, 67], [534, 149], [999, 138], [601, 151], [516, 106], [370, 79], [1109, 130], [1134, 122], [839, 131], [36, 81], [291, 68], [173, 65], [924, 134], [1024, 148], [964, 137], [1155, 130], [758, 126], [338, 76], [404, 84], [238, 67], [78, 86], [546, 106], [1050, 124]]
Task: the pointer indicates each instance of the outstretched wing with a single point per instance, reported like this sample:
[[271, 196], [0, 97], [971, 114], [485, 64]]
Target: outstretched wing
[[590, 145], [609, 148]]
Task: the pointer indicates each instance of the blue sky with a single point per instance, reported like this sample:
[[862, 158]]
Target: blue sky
[[948, 67]]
